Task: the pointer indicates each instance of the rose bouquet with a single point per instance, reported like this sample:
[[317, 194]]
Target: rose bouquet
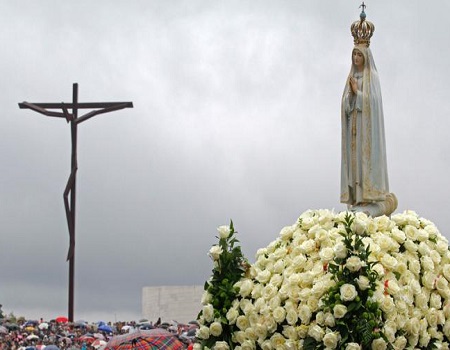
[[344, 281]]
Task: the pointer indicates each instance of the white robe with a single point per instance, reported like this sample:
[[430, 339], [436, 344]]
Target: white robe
[[363, 164]]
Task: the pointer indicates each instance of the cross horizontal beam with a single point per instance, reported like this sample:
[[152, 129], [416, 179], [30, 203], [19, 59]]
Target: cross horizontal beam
[[82, 105]]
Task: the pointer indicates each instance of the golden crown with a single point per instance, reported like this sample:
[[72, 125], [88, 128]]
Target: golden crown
[[362, 30]]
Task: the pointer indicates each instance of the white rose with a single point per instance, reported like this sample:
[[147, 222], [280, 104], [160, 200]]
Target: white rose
[[446, 271], [242, 322], [435, 301], [320, 318], [221, 345], [424, 339], [392, 287], [248, 345], [250, 333], [276, 280], [275, 302], [304, 312], [245, 287], [279, 314], [313, 303], [257, 291], [339, 311], [422, 235], [215, 328], [278, 267], [398, 235], [411, 232], [410, 246], [389, 262], [424, 249], [359, 226], [353, 263], [432, 317], [269, 291], [442, 247], [363, 282], [348, 292], [428, 279], [224, 231], [290, 332], [208, 312], [197, 346], [266, 345], [385, 242], [240, 336], [232, 315], [353, 346], [389, 331], [446, 328], [435, 256], [340, 250], [330, 321], [387, 304], [401, 268], [379, 269], [215, 252], [308, 246], [330, 340], [261, 331], [277, 340], [379, 344], [303, 330], [400, 343], [413, 326], [291, 317], [202, 332], [414, 266], [263, 276], [442, 286], [316, 332], [427, 263], [326, 254], [286, 233], [206, 298]]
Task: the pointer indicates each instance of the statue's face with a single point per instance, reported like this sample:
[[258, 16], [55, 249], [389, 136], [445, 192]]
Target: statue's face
[[358, 58]]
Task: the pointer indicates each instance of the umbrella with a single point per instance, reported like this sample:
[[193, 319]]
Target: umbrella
[[105, 328], [98, 343], [3, 330], [43, 325], [142, 340], [52, 347], [62, 319], [32, 336]]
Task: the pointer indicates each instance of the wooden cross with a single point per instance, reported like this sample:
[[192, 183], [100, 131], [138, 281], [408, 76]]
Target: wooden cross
[[73, 118]]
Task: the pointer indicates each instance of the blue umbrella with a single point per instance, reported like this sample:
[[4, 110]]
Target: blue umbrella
[[52, 347], [105, 328]]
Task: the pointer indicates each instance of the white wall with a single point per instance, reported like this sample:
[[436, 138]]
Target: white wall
[[179, 303]]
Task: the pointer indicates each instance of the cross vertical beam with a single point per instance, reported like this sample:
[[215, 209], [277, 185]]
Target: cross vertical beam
[[70, 205]]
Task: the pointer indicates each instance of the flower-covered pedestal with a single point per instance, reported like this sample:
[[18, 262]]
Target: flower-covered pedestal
[[332, 281]]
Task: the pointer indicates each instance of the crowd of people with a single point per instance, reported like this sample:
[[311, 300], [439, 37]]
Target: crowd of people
[[59, 333]]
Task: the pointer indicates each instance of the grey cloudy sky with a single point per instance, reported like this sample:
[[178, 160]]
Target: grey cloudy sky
[[236, 115]]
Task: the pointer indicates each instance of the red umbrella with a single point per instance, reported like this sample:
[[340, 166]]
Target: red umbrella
[[145, 339], [62, 319]]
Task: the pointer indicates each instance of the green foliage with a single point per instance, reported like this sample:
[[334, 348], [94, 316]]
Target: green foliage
[[363, 321], [228, 269]]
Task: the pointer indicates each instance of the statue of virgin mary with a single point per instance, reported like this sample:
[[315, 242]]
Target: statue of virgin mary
[[364, 178]]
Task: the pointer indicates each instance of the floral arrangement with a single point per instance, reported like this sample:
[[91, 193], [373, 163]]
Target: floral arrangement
[[220, 291], [342, 281]]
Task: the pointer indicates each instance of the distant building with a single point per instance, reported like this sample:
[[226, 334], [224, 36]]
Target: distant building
[[178, 303]]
